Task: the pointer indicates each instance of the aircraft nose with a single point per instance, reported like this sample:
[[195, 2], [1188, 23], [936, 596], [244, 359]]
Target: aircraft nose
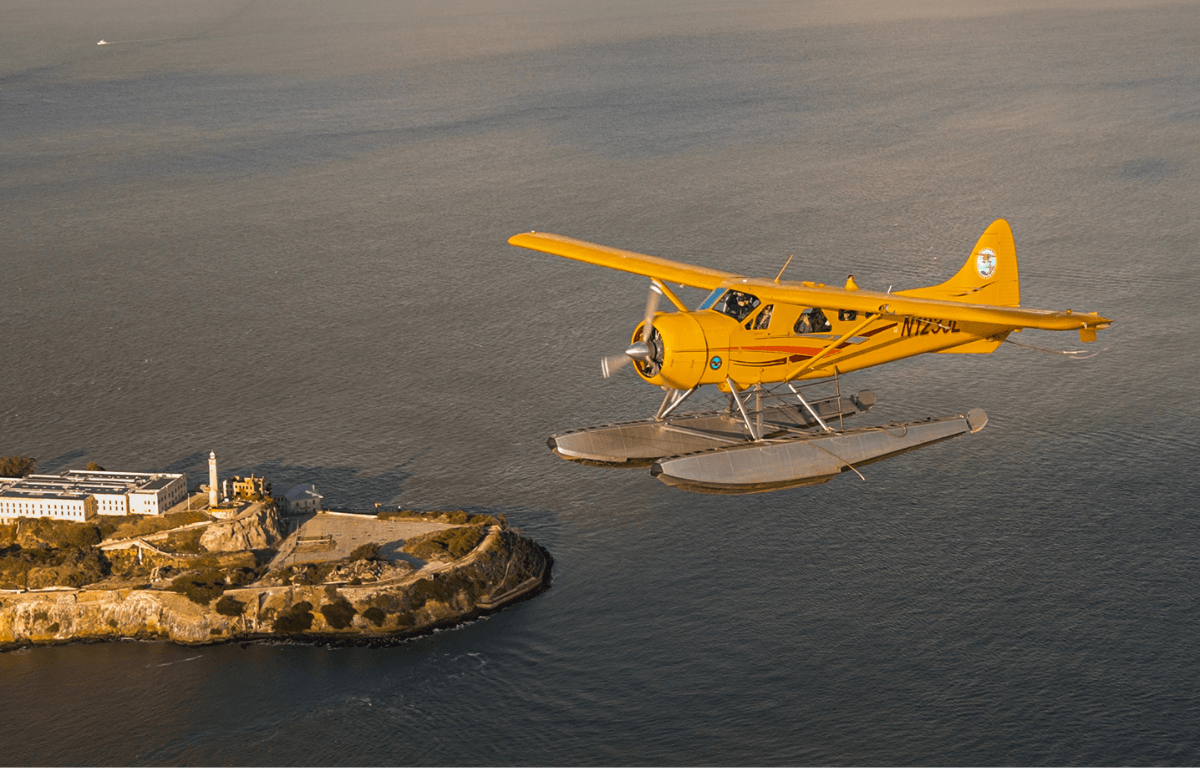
[[677, 351], [639, 351]]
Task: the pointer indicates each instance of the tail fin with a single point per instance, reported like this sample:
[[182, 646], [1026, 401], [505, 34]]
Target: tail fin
[[989, 276]]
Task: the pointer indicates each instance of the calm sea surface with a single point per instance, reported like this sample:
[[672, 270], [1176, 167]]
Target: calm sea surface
[[277, 230]]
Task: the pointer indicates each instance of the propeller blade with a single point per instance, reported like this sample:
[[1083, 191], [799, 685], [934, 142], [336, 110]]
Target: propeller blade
[[640, 350], [651, 308], [613, 363]]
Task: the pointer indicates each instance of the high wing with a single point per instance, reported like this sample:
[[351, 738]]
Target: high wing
[[810, 294], [626, 261]]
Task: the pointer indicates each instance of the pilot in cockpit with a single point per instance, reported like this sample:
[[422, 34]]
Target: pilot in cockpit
[[739, 305]]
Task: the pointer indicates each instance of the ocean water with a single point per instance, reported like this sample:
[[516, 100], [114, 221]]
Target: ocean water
[[277, 231]]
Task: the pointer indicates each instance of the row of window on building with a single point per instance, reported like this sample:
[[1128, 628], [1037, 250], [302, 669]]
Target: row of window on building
[[82, 494]]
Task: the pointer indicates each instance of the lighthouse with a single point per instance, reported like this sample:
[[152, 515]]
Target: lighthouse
[[212, 478]]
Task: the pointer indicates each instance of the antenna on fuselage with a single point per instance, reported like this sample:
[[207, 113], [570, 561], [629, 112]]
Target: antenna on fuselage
[[785, 266]]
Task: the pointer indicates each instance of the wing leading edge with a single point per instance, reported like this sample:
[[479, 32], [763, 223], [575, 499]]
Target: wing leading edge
[[626, 261]]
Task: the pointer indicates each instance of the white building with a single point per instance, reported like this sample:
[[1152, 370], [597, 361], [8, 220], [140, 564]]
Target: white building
[[80, 494], [302, 499], [16, 501]]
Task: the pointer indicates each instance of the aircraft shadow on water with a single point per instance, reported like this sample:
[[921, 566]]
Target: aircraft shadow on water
[[762, 342]]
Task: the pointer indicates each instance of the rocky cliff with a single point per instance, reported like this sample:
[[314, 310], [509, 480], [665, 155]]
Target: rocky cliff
[[258, 530], [502, 569]]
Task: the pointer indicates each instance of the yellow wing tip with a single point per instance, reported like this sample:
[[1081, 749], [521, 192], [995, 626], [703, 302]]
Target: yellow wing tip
[[518, 238]]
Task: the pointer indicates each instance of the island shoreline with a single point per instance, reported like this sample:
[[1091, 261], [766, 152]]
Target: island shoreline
[[502, 570]]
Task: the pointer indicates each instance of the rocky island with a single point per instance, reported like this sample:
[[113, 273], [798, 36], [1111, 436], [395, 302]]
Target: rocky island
[[230, 574]]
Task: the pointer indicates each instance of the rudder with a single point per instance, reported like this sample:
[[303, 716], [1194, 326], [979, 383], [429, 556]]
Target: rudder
[[989, 276]]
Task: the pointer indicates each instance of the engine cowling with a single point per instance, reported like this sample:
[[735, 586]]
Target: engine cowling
[[679, 350]]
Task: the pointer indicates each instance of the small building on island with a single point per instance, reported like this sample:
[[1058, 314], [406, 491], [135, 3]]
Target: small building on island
[[245, 487], [301, 499]]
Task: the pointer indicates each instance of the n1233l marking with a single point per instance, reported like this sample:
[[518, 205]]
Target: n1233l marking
[[921, 326]]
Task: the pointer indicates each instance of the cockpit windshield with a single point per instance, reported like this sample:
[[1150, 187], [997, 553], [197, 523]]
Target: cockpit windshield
[[711, 299], [736, 304]]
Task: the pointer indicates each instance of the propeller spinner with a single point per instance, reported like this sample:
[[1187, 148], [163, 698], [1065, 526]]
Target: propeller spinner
[[639, 350]]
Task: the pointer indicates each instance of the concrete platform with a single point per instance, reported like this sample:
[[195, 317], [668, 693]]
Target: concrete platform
[[344, 532]]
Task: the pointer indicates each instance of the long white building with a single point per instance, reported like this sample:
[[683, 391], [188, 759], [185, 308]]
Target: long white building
[[80, 494], [19, 502]]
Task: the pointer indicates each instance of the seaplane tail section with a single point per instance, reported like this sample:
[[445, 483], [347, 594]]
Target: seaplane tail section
[[989, 275]]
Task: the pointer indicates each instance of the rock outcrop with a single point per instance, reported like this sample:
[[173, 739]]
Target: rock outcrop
[[258, 529]]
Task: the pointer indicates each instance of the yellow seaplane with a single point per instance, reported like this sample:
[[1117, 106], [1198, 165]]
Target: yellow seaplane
[[759, 340]]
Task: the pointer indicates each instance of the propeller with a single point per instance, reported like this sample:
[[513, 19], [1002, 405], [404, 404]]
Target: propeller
[[639, 350]]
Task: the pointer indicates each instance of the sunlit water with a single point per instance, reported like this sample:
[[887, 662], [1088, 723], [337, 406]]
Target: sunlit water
[[277, 231]]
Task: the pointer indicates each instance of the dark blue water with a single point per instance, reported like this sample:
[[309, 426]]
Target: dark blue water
[[277, 231]]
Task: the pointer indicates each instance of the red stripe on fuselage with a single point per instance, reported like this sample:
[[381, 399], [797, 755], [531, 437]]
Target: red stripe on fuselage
[[789, 350]]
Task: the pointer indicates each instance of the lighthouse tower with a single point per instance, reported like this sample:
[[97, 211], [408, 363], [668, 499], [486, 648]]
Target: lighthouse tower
[[212, 478]]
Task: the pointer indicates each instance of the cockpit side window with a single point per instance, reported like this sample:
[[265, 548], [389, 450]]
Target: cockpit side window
[[736, 304]]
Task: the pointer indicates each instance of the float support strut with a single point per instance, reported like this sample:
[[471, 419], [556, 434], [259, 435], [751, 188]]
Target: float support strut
[[811, 410], [754, 437]]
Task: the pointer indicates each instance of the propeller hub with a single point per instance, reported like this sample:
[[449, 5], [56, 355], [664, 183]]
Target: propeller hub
[[639, 350]]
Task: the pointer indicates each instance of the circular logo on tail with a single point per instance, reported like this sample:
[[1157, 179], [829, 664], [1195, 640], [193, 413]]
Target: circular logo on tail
[[985, 263]]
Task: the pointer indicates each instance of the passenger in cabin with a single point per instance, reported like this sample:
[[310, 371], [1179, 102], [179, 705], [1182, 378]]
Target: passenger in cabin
[[764, 318], [812, 321], [847, 314]]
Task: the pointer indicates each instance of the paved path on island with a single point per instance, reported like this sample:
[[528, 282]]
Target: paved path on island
[[347, 531]]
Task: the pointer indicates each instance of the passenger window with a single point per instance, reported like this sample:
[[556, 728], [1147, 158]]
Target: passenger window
[[812, 321], [737, 305], [764, 318], [847, 314]]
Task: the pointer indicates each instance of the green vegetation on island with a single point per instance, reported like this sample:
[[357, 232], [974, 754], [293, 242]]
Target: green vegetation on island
[[449, 544]]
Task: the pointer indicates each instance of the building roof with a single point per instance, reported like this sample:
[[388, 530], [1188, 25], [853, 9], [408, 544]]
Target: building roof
[[158, 484], [84, 483], [18, 493]]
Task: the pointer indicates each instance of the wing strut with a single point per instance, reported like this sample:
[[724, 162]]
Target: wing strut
[[810, 362]]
